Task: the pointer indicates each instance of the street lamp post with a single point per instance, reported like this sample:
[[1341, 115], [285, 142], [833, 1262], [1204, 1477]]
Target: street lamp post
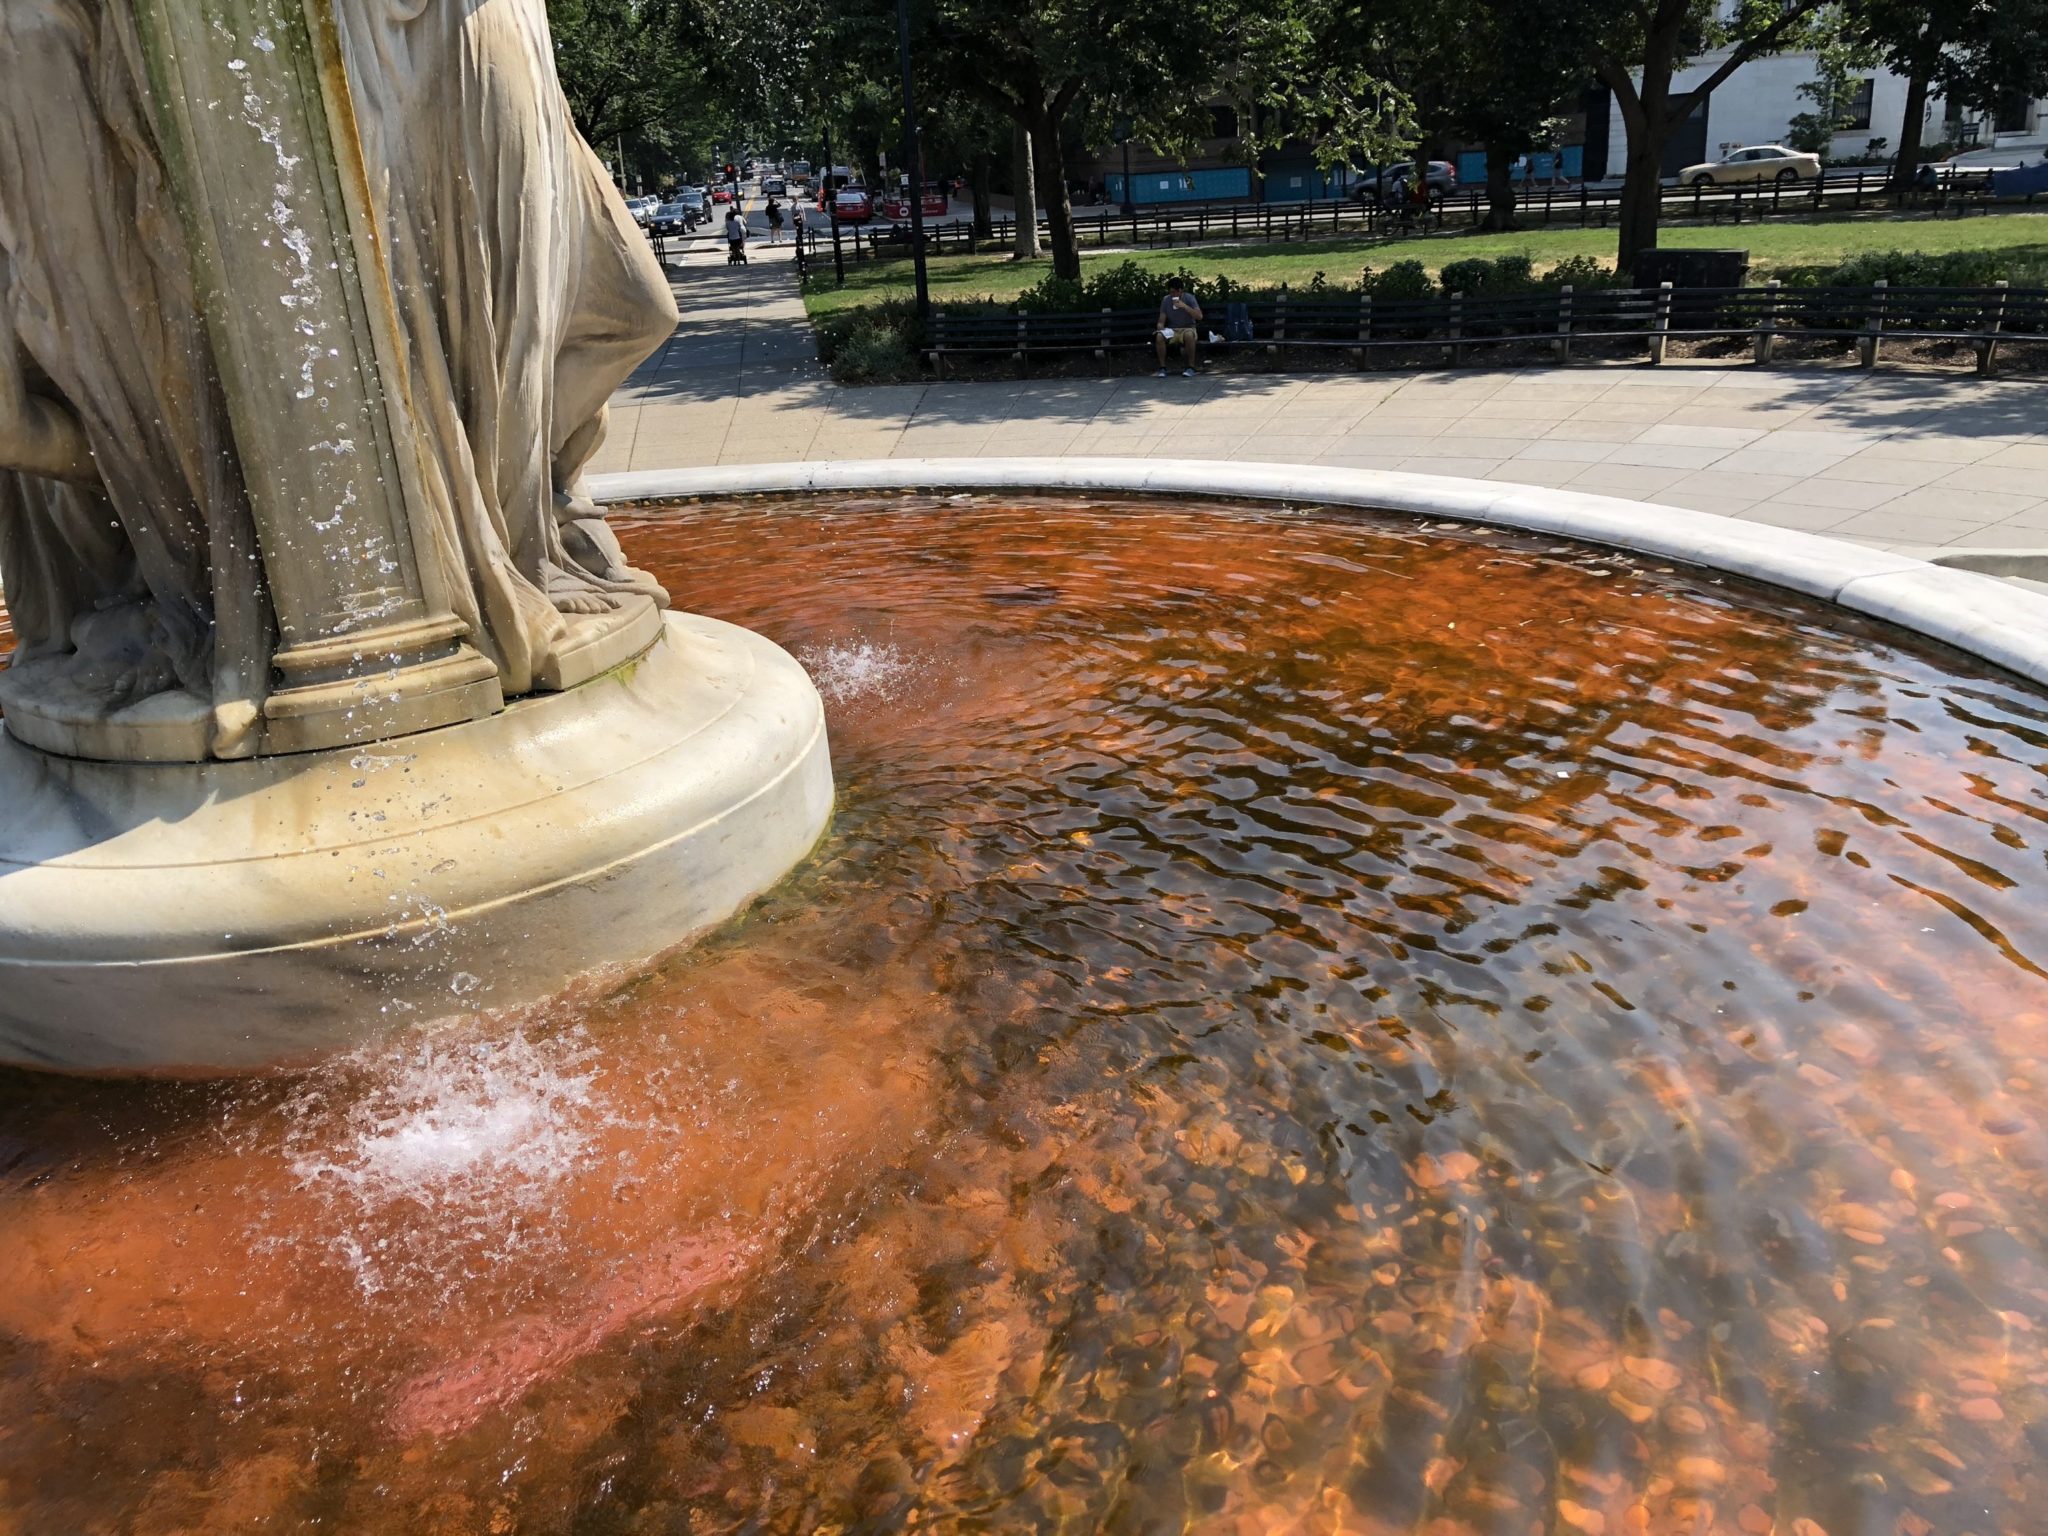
[[1123, 133], [913, 169], [831, 218]]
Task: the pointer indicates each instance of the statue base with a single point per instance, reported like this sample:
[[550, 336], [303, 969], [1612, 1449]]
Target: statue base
[[230, 916]]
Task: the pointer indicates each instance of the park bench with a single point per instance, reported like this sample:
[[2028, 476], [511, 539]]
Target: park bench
[[1557, 319]]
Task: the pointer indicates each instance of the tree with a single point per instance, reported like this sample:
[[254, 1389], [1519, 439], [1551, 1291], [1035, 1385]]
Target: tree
[[1975, 52], [631, 65], [1501, 77], [1045, 63], [1646, 42], [1841, 60]]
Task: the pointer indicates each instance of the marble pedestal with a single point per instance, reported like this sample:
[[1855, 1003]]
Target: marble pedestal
[[228, 916]]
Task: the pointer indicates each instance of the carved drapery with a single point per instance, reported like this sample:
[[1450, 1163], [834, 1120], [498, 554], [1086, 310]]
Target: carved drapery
[[339, 332]]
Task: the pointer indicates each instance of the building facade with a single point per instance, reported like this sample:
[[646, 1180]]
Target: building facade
[[1757, 103]]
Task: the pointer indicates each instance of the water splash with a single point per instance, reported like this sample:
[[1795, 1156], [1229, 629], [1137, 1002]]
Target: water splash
[[848, 672], [447, 1148]]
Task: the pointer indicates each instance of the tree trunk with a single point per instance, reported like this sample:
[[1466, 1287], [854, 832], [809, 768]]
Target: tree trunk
[[1049, 158], [1500, 186], [1025, 196], [983, 171], [1642, 200], [1912, 127]]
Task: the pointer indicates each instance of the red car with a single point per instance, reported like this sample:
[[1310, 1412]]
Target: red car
[[852, 205], [721, 194]]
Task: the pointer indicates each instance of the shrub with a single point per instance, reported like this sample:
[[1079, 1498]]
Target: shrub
[[1922, 269], [1579, 273], [872, 353], [1403, 280]]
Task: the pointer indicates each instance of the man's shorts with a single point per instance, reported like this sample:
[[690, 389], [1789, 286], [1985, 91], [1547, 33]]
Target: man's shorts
[[1182, 336]]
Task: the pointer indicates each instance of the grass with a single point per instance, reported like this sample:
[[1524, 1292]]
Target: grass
[[1781, 243]]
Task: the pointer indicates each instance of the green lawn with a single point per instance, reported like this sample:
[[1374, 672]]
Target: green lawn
[[1781, 243]]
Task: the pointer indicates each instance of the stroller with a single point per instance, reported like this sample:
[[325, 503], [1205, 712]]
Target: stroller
[[735, 243]]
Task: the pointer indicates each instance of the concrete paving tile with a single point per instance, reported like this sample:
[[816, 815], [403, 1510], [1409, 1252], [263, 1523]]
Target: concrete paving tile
[[1473, 469], [1822, 441], [1705, 501], [1361, 460], [2030, 455], [1665, 455], [1842, 495], [2033, 517], [1635, 408], [1566, 450], [1765, 459], [1463, 445], [1914, 527], [1552, 473], [1528, 428], [1985, 477], [2002, 536], [1669, 384], [1721, 482], [1273, 444], [1754, 419], [1556, 386], [1378, 425], [1616, 432], [1806, 517], [1680, 435], [1625, 479], [1523, 408], [1899, 474], [1958, 505]]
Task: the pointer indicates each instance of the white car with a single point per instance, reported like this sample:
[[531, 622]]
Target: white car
[[642, 209], [1760, 162]]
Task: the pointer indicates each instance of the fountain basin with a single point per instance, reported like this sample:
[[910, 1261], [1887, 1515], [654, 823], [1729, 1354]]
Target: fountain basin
[[199, 917], [1301, 1012]]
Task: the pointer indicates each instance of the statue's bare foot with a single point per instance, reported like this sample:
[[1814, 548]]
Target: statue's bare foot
[[572, 592]]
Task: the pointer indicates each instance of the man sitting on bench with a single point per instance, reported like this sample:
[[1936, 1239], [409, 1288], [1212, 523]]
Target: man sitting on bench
[[1179, 315]]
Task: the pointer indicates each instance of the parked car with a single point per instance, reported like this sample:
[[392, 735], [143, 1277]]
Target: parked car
[[1759, 162], [676, 218], [642, 209], [774, 186], [1388, 184], [852, 204]]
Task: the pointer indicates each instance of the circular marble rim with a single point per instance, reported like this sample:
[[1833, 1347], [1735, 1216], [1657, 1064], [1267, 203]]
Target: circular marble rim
[[1983, 615], [200, 918]]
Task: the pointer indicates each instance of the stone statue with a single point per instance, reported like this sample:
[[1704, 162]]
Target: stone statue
[[309, 311], [191, 493]]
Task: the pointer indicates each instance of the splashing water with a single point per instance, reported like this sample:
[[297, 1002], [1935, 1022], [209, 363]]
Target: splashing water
[[462, 1137], [860, 670]]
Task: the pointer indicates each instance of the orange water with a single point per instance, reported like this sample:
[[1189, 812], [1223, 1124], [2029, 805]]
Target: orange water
[[1299, 1025]]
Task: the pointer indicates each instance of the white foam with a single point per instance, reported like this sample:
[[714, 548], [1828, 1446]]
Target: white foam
[[847, 672], [430, 1152]]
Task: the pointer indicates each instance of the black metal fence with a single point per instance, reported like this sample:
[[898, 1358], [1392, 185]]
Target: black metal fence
[[1580, 206], [1557, 320]]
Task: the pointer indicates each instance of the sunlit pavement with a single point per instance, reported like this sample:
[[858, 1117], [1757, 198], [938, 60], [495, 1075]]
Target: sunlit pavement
[[1897, 458]]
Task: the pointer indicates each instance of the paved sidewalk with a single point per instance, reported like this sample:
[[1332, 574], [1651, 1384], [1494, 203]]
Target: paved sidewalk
[[1896, 459]]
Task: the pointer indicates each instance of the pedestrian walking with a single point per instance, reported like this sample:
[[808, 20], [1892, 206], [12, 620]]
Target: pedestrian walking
[[774, 212], [735, 238]]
